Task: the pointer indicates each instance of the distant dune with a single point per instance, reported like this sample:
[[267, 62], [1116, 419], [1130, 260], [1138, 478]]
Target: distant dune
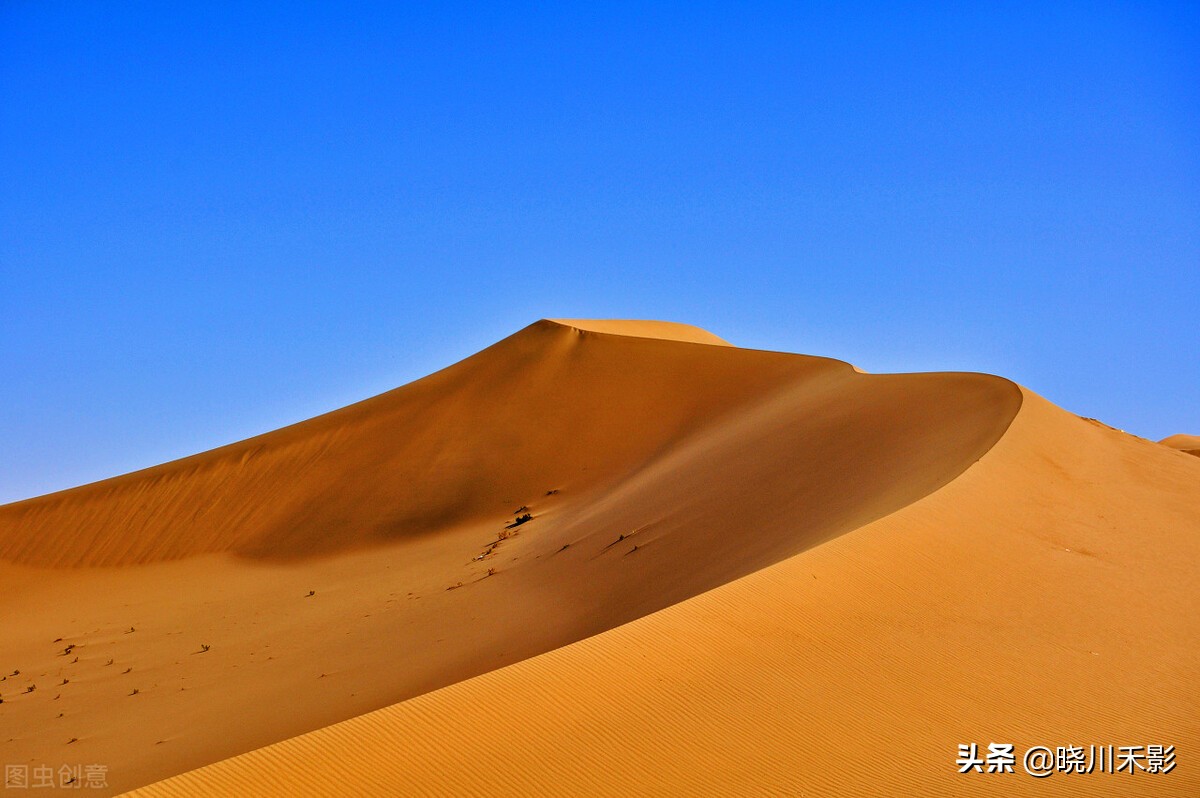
[[617, 558], [1184, 443]]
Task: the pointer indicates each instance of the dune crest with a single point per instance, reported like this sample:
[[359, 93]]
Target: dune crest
[[662, 330], [542, 409]]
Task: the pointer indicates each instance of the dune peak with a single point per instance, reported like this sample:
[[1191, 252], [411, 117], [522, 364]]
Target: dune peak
[[1184, 443], [645, 328]]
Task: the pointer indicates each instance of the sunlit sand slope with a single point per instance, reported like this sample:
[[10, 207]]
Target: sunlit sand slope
[[1047, 596]]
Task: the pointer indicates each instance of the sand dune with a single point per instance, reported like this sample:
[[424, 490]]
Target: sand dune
[[739, 567], [1184, 443]]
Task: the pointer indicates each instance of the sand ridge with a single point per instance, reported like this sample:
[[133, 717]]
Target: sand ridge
[[662, 330]]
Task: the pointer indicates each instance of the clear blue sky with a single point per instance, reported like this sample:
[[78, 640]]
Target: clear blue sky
[[217, 219]]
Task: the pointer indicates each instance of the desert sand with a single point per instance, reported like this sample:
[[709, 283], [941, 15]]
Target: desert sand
[[617, 558], [1184, 443]]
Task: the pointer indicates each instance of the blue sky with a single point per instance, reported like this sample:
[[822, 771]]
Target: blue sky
[[217, 219]]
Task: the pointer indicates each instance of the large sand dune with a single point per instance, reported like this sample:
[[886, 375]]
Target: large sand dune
[[1184, 443], [744, 572]]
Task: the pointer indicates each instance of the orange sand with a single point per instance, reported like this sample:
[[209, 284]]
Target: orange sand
[[1184, 443]]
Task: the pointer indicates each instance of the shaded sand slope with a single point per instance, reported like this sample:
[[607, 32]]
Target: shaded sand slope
[[1184, 443], [534, 411], [362, 558], [1048, 596]]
